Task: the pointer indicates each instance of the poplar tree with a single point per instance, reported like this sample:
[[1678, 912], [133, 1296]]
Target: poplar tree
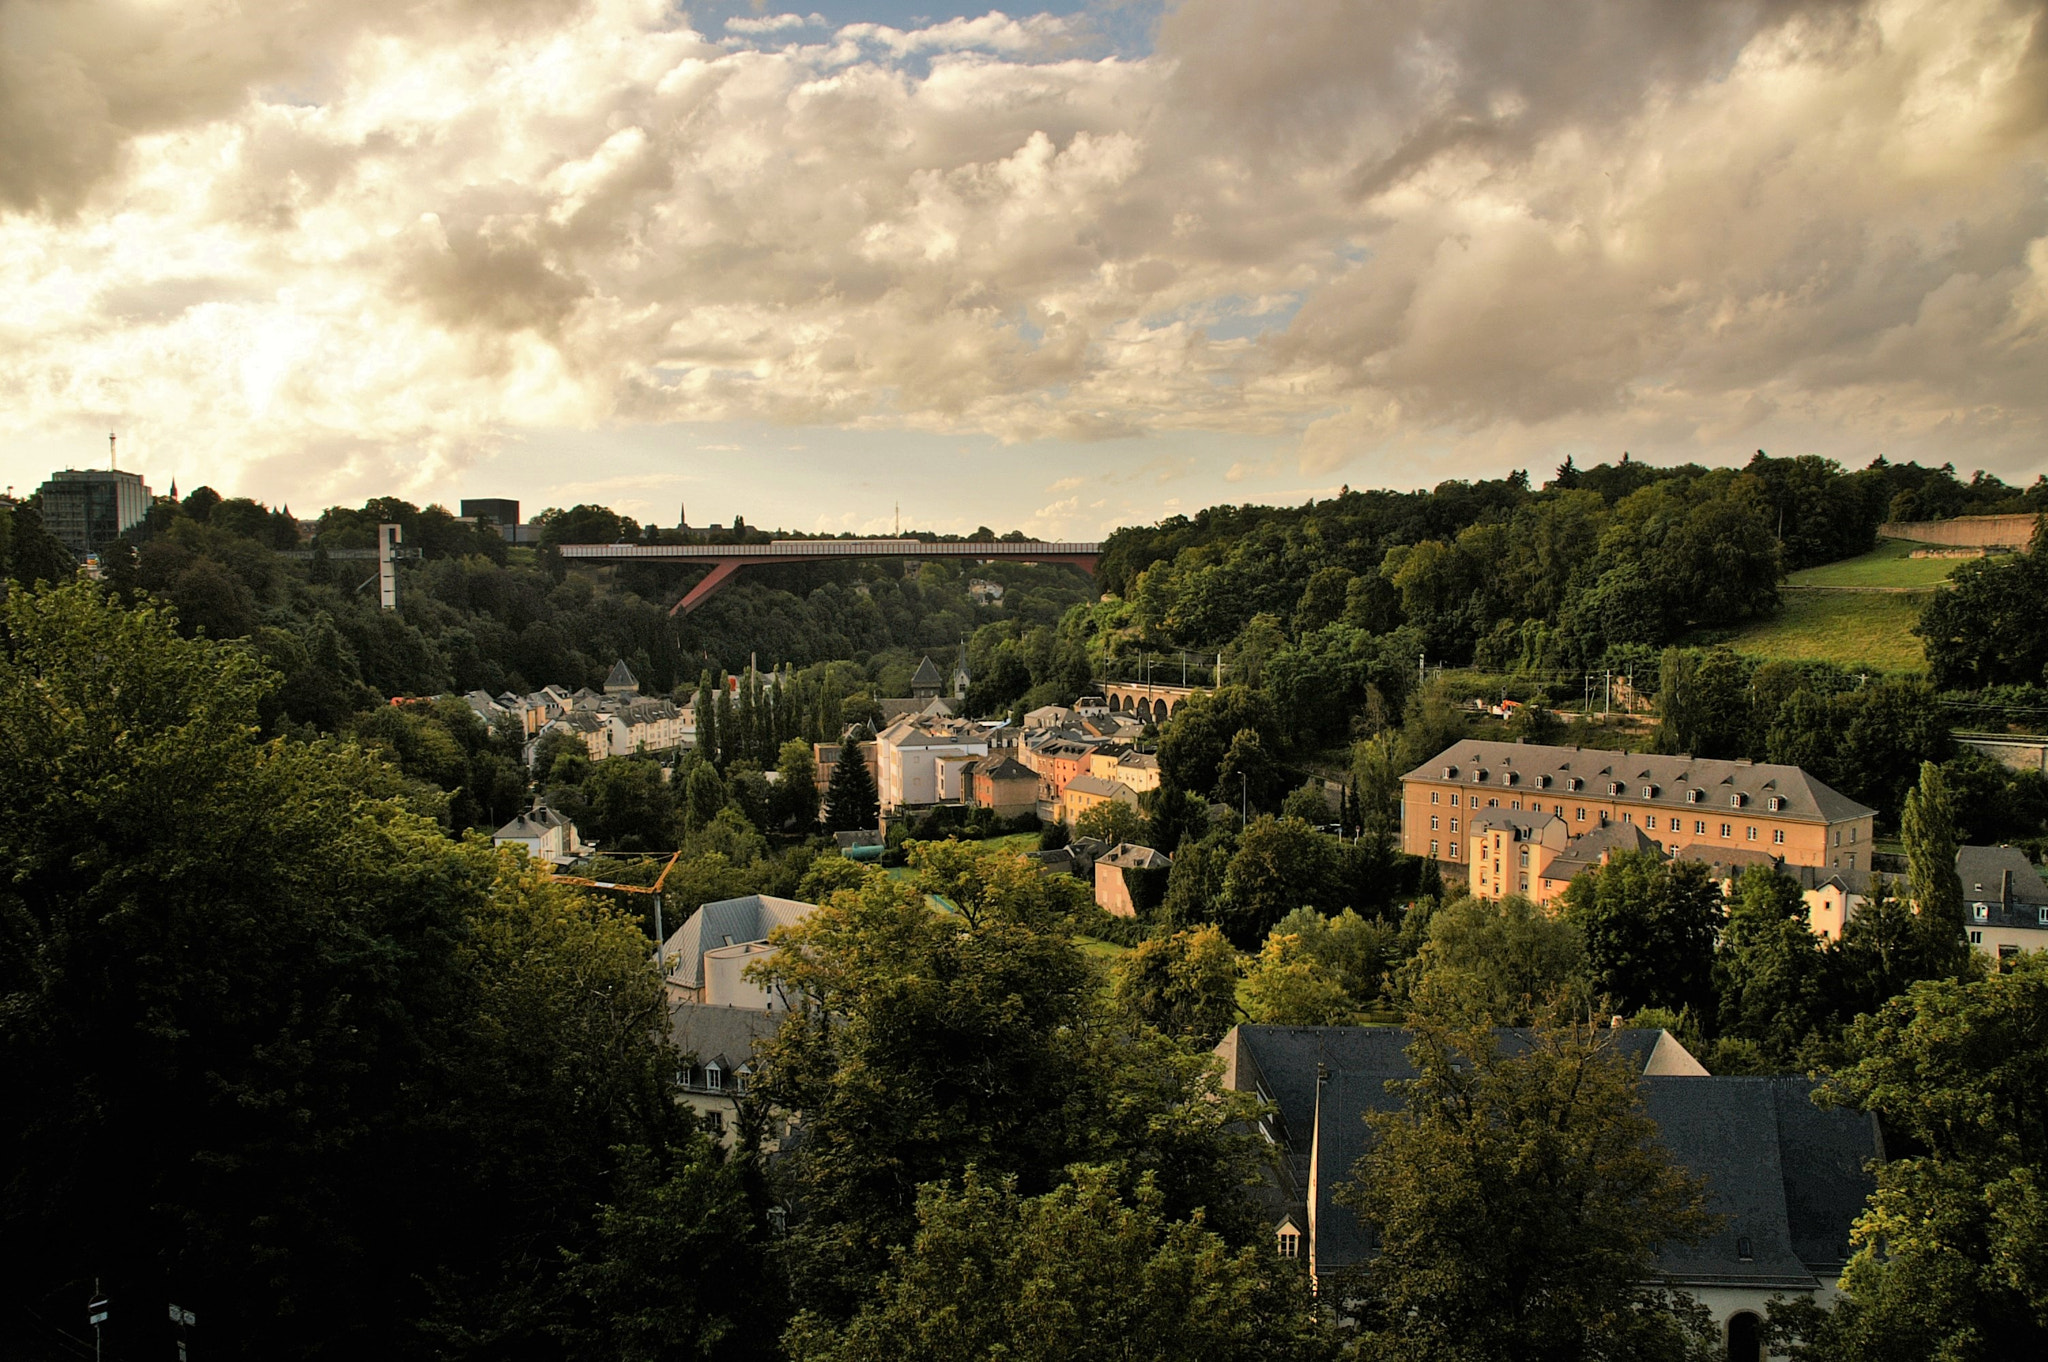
[[1929, 831], [707, 719]]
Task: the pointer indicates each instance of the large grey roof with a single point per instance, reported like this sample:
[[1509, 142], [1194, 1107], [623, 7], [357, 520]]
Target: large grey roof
[[743, 919], [1791, 1178], [1528, 764], [728, 1033], [1982, 870], [926, 674], [621, 677]]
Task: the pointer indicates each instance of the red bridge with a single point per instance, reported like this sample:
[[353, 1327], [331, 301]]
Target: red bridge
[[726, 559]]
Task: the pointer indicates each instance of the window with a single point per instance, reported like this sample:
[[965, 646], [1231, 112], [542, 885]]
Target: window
[[1852, 860], [1976, 938], [1454, 801], [1774, 803], [1557, 809], [1727, 829], [1630, 818], [1454, 825], [1838, 836], [1582, 816], [714, 1078], [1979, 911], [1432, 847], [1493, 803], [1432, 822], [714, 1121], [1852, 837], [1290, 1244], [1699, 827], [1778, 836], [1745, 1250], [1515, 804], [1434, 795], [1695, 796], [1750, 832], [1454, 851], [2044, 917], [1525, 855], [1525, 884]]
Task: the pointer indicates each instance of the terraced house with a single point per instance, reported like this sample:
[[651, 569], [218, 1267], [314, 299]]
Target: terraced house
[[1512, 808]]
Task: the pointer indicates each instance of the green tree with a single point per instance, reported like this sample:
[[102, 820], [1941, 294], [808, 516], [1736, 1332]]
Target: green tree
[[1248, 777], [1650, 926], [1951, 1257], [1281, 864], [796, 787], [703, 796], [1309, 804], [1769, 972], [1504, 961], [1085, 1270], [1195, 883], [1183, 984], [1928, 828], [1111, 821], [851, 804], [1318, 971], [33, 553], [627, 805], [996, 1022], [1519, 1198]]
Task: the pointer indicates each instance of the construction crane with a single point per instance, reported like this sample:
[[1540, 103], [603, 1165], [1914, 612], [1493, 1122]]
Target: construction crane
[[660, 936]]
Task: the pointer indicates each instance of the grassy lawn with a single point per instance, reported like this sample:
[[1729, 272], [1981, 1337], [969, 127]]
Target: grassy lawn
[[1101, 950], [1852, 629], [1886, 565], [1018, 842]]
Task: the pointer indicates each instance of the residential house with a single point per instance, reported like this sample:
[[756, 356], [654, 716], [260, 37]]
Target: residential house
[[1789, 1178], [1084, 792], [2005, 904], [1116, 869], [921, 760], [547, 836], [1000, 782], [825, 756], [705, 959], [720, 1053], [1689, 806]]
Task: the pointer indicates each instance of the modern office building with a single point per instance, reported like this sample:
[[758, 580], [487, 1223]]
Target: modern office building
[[89, 508]]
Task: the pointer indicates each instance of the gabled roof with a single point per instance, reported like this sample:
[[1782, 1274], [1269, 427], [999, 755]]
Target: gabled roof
[[1004, 767], [621, 677], [519, 829], [1583, 852], [926, 675], [1533, 767], [1982, 872], [1097, 785], [703, 1032]]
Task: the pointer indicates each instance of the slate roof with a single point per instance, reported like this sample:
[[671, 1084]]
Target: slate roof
[[621, 678], [926, 675], [1003, 767], [1583, 852], [1131, 856], [1526, 823], [1993, 900], [1528, 767], [743, 919], [1097, 785], [729, 1035], [1790, 1176]]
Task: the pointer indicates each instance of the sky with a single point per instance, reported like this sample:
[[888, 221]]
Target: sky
[[1051, 270]]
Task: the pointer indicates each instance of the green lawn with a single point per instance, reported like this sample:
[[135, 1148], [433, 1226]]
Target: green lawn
[[1018, 842], [1102, 950], [1854, 629], [1886, 565]]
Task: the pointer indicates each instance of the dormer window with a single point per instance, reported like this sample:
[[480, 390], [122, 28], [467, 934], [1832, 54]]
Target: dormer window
[[714, 1077], [1614, 787], [1543, 782], [1745, 1250], [1574, 783], [1649, 792], [1774, 804], [1738, 799], [1479, 775], [1695, 796], [1450, 773], [1514, 778], [1289, 1241], [1980, 911]]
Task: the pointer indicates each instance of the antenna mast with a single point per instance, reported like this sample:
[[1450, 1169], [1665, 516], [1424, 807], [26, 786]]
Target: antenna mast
[[112, 462]]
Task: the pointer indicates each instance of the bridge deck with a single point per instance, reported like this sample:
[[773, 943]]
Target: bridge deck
[[725, 560], [798, 550]]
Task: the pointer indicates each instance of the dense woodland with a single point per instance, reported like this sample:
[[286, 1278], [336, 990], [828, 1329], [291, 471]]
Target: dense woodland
[[291, 1045]]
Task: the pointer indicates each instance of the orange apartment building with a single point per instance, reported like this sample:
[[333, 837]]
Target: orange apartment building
[[1501, 813]]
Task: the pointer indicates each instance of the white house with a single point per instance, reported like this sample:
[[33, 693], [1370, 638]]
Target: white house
[[921, 760], [546, 835]]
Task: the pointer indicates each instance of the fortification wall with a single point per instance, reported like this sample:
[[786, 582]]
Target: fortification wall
[[1965, 531]]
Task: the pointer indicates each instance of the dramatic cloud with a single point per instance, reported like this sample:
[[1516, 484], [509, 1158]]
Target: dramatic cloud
[[384, 238]]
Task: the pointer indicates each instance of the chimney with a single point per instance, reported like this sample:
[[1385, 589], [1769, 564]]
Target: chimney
[[2005, 889]]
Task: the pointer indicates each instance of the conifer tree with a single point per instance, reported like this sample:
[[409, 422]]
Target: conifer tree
[[707, 720], [1928, 828], [850, 801]]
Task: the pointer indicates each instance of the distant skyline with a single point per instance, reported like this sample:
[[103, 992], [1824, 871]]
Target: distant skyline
[[1051, 270]]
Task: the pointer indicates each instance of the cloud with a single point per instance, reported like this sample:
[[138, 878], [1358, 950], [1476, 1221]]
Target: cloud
[[377, 241]]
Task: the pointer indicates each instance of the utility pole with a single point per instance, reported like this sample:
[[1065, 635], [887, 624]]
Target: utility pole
[[1607, 691], [96, 1315]]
